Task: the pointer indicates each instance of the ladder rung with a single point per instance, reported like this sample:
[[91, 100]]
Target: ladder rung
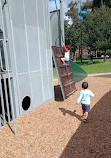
[[66, 74], [71, 93], [59, 56], [69, 83], [64, 65]]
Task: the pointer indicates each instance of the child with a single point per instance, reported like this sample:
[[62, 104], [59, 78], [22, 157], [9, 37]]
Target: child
[[84, 97], [66, 56]]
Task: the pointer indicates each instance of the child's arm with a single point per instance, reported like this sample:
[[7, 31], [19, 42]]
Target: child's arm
[[91, 94], [80, 97], [66, 50]]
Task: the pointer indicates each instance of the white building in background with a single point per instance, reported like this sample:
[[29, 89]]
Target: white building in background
[[26, 71]]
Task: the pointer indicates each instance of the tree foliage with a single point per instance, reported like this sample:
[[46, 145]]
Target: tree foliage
[[87, 5], [72, 12], [72, 35], [97, 29], [98, 3], [72, 31]]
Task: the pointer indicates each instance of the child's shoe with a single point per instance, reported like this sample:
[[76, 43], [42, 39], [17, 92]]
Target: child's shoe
[[85, 120], [64, 64], [83, 116]]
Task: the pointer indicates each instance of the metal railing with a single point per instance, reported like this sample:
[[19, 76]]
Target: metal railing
[[7, 102]]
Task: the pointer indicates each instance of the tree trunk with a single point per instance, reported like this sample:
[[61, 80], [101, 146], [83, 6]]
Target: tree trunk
[[96, 53], [104, 55]]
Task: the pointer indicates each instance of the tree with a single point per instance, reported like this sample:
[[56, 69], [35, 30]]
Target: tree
[[72, 34], [98, 3], [87, 5], [72, 12], [97, 29], [72, 31]]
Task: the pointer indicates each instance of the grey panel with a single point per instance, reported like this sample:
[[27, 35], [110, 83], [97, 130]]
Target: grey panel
[[47, 36], [33, 48], [30, 12], [51, 86], [24, 90], [43, 49], [8, 55], [17, 12], [37, 93], [40, 14], [5, 24], [49, 58], [45, 85], [15, 98], [55, 28], [20, 49]]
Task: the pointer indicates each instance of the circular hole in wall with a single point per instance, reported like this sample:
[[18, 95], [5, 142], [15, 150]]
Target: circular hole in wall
[[26, 103]]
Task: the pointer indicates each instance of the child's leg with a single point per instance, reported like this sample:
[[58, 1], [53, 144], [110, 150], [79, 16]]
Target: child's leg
[[86, 115], [87, 109], [83, 112], [63, 60], [83, 109]]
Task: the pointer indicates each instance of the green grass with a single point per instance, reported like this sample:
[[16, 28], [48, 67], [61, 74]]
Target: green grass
[[98, 66], [54, 72]]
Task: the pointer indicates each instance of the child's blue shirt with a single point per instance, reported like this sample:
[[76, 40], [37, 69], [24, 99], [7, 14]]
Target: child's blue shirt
[[85, 96]]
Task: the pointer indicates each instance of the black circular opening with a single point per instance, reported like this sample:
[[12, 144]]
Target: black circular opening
[[26, 103]]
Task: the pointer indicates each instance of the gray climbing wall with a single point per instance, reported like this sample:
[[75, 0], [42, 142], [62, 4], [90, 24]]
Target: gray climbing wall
[[29, 53]]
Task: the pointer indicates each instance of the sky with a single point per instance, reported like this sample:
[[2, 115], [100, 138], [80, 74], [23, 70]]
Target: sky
[[65, 4]]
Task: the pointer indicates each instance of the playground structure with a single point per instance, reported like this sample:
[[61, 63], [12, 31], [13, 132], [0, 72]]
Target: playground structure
[[26, 72], [65, 75], [26, 81], [55, 27]]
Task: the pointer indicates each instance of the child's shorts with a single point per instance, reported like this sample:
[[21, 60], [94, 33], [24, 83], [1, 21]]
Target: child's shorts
[[65, 59], [85, 107]]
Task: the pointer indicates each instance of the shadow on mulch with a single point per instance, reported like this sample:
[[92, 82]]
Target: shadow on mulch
[[72, 113], [58, 93], [92, 139]]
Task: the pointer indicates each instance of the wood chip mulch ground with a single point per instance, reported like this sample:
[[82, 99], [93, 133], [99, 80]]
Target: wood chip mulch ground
[[56, 129]]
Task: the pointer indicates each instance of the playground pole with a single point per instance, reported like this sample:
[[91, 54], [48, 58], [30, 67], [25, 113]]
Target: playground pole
[[62, 20]]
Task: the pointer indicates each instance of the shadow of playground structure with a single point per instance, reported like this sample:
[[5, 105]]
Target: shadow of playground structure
[[92, 139]]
